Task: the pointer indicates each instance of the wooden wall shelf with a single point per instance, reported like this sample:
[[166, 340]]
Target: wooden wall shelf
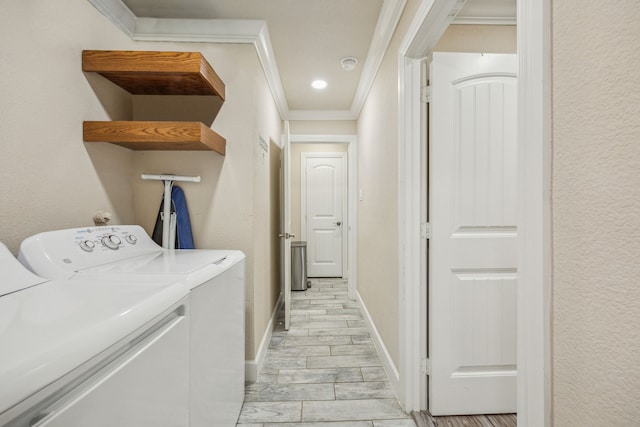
[[155, 73], [139, 135]]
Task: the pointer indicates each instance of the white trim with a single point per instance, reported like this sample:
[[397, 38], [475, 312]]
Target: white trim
[[255, 32], [534, 130], [484, 20], [345, 202], [241, 31], [390, 15], [383, 353], [534, 181], [430, 22], [252, 368], [352, 159], [412, 289], [118, 13]]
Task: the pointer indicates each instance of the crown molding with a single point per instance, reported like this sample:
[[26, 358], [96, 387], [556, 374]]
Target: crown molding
[[243, 31], [255, 32], [385, 28], [118, 13]]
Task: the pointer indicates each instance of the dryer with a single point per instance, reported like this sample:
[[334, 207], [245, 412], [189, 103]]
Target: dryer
[[91, 353], [216, 282]]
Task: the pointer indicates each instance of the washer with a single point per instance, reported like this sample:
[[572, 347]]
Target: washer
[[91, 353], [216, 282]]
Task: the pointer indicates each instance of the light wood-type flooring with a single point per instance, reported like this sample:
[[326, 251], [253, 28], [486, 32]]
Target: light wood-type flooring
[[424, 419], [324, 371]]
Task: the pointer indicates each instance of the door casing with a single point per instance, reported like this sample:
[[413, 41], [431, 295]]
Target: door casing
[[350, 271], [534, 208]]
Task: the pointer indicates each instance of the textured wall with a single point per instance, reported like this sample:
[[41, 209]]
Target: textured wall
[[231, 206], [478, 38], [50, 179], [323, 127], [596, 213], [378, 179]]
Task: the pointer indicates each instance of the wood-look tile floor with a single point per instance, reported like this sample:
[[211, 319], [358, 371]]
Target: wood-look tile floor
[[424, 419], [324, 371]]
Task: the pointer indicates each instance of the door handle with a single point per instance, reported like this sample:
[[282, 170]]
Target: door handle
[[286, 235], [339, 223]]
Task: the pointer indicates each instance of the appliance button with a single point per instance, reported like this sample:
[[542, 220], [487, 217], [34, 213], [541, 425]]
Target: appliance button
[[131, 238], [87, 245], [111, 241]]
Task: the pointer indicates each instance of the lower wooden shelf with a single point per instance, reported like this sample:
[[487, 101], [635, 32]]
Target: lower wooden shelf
[[150, 135]]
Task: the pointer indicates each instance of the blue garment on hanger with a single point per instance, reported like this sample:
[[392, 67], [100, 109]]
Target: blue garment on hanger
[[184, 237]]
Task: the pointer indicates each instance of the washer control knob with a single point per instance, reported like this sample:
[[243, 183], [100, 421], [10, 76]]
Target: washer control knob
[[111, 241], [87, 245], [131, 238]]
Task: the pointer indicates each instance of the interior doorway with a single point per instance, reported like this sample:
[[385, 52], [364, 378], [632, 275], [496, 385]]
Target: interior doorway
[[534, 230], [323, 212], [346, 144]]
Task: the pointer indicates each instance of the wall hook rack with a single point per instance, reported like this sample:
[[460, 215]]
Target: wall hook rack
[[168, 181]]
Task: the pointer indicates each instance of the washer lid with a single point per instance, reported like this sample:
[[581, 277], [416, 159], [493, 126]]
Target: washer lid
[[15, 276], [167, 262], [49, 330]]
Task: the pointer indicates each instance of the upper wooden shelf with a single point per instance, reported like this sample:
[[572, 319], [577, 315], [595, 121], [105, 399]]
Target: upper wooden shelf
[[155, 73]]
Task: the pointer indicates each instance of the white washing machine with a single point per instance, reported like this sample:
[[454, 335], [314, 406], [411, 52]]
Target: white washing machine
[[89, 353], [216, 282]]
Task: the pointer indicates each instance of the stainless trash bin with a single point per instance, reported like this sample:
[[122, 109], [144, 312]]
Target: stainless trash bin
[[298, 266]]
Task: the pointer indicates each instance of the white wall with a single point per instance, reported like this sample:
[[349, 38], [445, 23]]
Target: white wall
[[596, 213], [323, 127], [378, 179], [49, 178]]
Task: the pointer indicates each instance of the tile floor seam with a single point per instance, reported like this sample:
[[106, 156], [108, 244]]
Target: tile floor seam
[[361, 392]]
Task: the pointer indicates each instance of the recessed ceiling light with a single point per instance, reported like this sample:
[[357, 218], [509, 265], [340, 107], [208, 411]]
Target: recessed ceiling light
[[349, 63], [319, 84]]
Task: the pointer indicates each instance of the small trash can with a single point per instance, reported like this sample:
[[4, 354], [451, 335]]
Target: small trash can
[[298, 266]]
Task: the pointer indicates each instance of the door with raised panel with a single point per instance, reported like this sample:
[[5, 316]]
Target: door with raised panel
[[323, 212], [472, 251]]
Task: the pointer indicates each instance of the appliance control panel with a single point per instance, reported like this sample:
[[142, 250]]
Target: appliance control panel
[[68, 251]]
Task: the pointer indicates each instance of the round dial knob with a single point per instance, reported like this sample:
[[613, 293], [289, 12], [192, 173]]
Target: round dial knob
[[111, 241], [131, 239], [87, 245]]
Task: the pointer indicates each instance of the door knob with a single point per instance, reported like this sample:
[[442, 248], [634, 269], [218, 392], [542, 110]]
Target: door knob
[[339, 223], [286, 235]]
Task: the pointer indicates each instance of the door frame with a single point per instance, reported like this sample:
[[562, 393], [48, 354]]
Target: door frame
[[345, 202], [350, 269], [534, 176]]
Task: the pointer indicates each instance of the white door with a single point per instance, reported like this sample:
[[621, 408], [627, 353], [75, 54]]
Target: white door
[[285, 223], [472, 252], [323, 196]]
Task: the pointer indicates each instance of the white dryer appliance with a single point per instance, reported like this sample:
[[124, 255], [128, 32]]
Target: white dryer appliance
[[89, 353], [216, 282]]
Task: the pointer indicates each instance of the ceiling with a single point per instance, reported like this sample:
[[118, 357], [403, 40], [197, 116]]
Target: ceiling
[[310, 37]]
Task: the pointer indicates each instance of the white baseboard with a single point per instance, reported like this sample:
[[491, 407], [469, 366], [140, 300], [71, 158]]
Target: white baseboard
[[252, 367], [389, 367]]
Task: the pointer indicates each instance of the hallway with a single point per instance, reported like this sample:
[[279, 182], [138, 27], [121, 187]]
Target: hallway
[[324, 371]]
